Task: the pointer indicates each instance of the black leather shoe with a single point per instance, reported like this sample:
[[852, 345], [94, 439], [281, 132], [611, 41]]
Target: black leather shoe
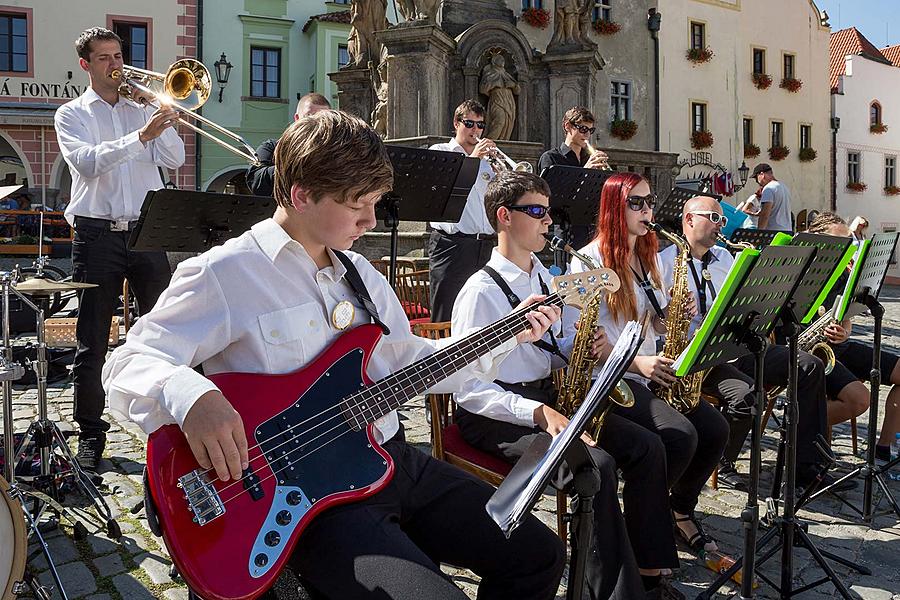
[[90, 450], [729, 477]]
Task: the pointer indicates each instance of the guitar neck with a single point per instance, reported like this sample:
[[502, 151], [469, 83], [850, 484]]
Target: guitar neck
[[391, 392]]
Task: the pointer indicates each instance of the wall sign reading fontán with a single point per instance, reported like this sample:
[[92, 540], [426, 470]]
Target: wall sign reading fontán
[[25, 88]]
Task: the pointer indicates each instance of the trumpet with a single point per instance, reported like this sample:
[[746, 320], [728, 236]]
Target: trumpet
[[499, 161], [185, 86], [604, 164]]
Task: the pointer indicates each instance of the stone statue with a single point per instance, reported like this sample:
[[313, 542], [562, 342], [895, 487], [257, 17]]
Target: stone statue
[[366, 17], [420, 12], [380, 84], [571, 22], [501, 89]]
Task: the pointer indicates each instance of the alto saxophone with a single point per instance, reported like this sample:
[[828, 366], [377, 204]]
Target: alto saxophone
[[736, 246], [684, 394], [814, 341], [577, 380]]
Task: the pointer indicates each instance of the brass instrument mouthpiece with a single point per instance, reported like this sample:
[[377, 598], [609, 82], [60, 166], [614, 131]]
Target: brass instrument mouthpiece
[[115, 74], [652, 226], [556, 242]]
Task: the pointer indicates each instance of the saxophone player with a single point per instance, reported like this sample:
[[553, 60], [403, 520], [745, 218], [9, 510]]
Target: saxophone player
[[503, 417], [693, 441], [733, 383]]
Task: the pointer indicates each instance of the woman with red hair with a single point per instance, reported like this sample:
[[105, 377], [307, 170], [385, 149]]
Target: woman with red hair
[[694, 442]]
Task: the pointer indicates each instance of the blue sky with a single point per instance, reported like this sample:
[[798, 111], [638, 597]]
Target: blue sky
[[878, 20]]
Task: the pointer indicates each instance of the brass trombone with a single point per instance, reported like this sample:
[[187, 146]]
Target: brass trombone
[[185, 86]]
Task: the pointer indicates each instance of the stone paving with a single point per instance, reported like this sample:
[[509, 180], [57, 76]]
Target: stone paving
[[137, 565]]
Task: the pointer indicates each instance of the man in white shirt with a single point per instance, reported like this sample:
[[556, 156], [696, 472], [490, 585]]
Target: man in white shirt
[[114, 148], [504, 416], [456, 250], [272, 300], [775, 201]]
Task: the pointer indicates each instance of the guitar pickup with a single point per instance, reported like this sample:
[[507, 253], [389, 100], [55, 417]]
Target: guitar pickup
[[202, 497], [251, 484]]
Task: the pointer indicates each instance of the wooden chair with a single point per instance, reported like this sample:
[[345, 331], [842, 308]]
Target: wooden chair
[[448, 445], [413, 291], [404, 265]]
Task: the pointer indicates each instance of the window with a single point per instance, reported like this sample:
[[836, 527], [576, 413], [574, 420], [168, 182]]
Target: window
[[134, 43], [340, 1], [698, 116], [343, 56], [620, 100], [532, 4], [698, 35], [890, 171], [13, 43], [777, 134], [602, 11], [759, 61], [265, 72], [853, 167], [805, 136], [875, 113], [788, 66], [748, 131]]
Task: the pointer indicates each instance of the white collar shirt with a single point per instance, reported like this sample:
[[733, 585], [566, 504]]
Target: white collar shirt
[[112, 170], [474, 217], [481, 302], [257, 304], [718, 268]]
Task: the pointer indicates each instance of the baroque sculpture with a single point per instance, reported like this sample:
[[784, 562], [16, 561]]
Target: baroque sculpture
[[501, 89], [571, 23], [366, 17], [420, 12]]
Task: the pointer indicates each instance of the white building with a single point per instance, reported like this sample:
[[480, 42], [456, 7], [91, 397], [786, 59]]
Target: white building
[[865, 86]]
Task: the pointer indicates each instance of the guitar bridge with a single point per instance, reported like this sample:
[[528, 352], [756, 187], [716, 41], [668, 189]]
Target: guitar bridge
[[202, 498]]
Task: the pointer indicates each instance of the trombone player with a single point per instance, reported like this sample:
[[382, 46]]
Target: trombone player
[[114, 148]]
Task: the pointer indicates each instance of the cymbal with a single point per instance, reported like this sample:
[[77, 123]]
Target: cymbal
[[37, 285]]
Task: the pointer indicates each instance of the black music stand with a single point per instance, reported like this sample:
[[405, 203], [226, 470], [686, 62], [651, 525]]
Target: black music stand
[[429, 185], [529, 477], [757, 237], [876, 256], [669, 211], [186, 221]]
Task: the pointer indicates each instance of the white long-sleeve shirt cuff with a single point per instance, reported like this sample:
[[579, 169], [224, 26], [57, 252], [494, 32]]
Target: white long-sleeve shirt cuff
[[524, 408], [182, 389], [132, 143]]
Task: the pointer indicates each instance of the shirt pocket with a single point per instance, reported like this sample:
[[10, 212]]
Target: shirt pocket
[[293, 336]]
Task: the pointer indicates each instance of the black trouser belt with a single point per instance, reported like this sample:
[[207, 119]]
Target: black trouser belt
[[105, 223]]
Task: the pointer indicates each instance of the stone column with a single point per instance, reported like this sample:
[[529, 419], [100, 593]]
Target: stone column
[[355, 94], [418, 80], [572, 81]]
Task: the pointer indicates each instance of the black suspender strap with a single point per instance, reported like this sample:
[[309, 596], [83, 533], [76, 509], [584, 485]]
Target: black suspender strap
[[703, 280], [644, 283], [359, 289], [514, 300]]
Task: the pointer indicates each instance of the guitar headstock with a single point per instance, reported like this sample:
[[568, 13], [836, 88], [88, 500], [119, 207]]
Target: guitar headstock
[[576, 289]]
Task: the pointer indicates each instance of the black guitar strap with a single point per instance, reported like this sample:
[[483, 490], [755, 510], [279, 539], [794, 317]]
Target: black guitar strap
[[359, 289]]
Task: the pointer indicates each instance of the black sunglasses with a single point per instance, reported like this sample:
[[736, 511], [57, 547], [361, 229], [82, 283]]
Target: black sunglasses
[[583, 128], [535, 211], [636, 203], [469, 123]]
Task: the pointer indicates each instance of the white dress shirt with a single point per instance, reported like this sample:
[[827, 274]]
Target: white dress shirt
[[718, 267], [474, 217], [256, 304], [112, 170], [481, 302], [614, 328]]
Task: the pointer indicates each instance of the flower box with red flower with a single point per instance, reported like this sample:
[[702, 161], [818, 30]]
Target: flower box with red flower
[[624, 129], [856, 186], [891, 190], [790, 84], [701, 139], [699, 55], [878, 128], [779, 152], [606, 27], [751, 151], [536, 17], [762, 81], [807, 155]]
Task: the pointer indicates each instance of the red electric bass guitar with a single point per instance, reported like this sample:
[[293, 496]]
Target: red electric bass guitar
[[312, 446]]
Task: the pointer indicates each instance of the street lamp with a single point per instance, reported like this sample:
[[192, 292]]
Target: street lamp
[[743, 173], [223, 70]]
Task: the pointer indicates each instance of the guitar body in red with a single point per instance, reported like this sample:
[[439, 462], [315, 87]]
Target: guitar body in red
[[231, 539]]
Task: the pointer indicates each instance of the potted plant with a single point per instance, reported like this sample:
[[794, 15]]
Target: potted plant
[[807, 155], [891, 190], [606, 27], [699, 55], [878, 128], [791, 84], [701, 139], [624, 129], [761, 81], [751, 151], [856, 186], [536, 17], [779, 152]]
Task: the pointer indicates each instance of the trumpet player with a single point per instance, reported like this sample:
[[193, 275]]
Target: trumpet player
[[457, 250], [114, 148]]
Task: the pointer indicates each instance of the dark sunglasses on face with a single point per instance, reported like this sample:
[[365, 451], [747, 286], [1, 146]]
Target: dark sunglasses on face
[[584, 128], [636, 203], [469, 123], [535, 211]]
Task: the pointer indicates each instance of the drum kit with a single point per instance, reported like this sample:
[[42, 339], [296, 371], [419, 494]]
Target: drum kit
[[24, 500]]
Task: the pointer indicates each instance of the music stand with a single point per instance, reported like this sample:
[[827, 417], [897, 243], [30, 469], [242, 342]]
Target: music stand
[[669, 211], [429, 185], [532, 472], [187, 221], [757, 237], [861, 293]]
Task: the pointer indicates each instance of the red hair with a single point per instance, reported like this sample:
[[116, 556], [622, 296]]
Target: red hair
[[612, 239]]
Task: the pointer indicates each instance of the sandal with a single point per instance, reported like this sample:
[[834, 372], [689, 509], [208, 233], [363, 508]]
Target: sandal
[[699, 542]]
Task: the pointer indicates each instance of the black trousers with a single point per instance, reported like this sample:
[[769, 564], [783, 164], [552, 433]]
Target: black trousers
[[734, 384], [693, 442], [854, 363], [390, 545], [451, 261], [101, 256]]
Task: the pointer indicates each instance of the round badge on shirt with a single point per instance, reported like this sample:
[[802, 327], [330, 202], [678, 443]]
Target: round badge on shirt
[[342, 315]]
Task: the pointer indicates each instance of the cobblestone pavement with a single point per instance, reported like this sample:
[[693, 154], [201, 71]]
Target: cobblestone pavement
[[137, 565]]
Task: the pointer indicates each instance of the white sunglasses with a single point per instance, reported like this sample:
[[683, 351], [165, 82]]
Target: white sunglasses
[[712, 215]]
